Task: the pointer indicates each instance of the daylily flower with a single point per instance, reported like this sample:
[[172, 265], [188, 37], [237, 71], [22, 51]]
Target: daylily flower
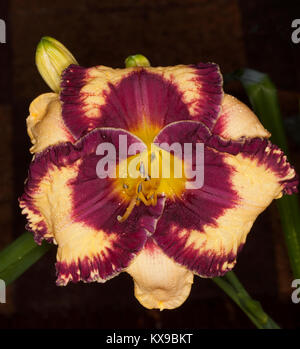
[[157, 230]]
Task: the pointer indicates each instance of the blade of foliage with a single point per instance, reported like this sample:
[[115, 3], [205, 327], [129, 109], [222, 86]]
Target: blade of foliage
[[19, 256], [263, 97], [252, 308]]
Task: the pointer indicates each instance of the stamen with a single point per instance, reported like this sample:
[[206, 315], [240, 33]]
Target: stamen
[[144, 191], [142, 170], [139, 187], [144, 200], [154, 200], [128, 211]]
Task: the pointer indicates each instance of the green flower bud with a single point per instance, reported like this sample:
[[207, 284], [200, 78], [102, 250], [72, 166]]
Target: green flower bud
[[136, 61], [51, 59]]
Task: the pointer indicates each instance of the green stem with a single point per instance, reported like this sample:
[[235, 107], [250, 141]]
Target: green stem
[[252, 308], [19, 256]]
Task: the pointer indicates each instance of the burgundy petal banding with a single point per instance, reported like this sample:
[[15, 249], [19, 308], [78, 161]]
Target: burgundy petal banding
[[140, 97], [92, 216], [264, 153], [204, 229]]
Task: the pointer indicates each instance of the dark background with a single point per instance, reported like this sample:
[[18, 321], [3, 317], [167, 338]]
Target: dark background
[[232, 33]]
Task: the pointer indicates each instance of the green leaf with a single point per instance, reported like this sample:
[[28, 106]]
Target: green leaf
[[19, 256], [231, 285]]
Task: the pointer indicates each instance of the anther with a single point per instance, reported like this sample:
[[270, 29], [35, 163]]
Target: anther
[[142, 170], [139, 189], [144, 192]]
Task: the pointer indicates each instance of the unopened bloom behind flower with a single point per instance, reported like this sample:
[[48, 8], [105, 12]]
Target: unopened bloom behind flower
[[52, 57], [156, 230], [137, 61]]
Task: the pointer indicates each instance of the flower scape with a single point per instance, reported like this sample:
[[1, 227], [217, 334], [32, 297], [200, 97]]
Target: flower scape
[[159, 230]]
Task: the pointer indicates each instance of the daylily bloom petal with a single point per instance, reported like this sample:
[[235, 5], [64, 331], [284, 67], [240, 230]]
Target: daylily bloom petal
[[204, 229], [158, 281], [66, 202], [141, 100], [236, 120], [45, 126]]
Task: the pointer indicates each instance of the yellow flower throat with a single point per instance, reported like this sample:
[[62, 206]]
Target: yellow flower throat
[[144, 177]]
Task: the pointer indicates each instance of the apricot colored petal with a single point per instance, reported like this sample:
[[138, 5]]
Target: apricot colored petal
[[67, 203], [205, 228], [45, 126], [159, 282], [236, 120]]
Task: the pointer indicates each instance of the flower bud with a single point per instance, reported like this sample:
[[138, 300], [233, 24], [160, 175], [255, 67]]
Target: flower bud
[[51, 59], [136, 61]]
